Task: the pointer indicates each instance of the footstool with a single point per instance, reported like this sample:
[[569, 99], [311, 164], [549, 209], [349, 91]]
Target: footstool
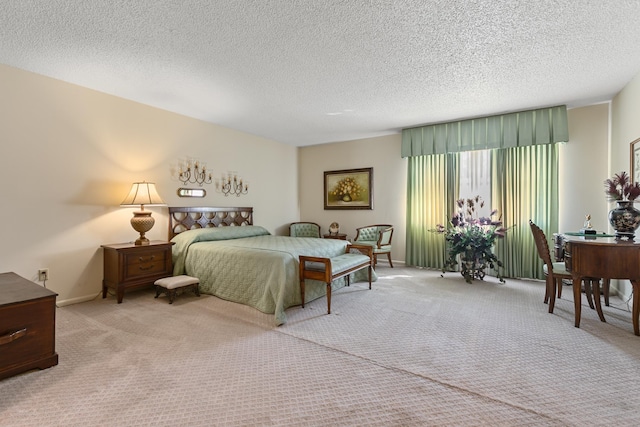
[[174, 285]]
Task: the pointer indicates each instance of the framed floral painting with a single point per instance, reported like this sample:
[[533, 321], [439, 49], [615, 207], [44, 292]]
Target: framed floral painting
[[635, 160], [348, 189]]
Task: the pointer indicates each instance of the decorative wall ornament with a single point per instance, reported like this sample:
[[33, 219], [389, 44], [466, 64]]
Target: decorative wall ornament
[[194, 172], [231, 184]]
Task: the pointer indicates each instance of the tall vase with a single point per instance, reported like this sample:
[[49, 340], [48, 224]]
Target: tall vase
[[625, 219]]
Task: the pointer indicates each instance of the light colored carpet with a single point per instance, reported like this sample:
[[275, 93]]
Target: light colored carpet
[[416, 350]]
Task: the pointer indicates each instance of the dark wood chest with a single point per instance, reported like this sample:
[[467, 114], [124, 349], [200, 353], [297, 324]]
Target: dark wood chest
[[27, 326]]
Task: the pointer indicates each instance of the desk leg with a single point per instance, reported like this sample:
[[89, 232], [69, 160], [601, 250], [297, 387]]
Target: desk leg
[[577, 298], [636, 305], [587, 292], [595, 287]]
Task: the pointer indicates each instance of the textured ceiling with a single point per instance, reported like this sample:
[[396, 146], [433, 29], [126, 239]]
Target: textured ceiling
[[307, 72]]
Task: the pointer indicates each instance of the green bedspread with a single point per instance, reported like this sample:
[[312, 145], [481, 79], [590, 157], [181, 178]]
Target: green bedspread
[[249, 266]]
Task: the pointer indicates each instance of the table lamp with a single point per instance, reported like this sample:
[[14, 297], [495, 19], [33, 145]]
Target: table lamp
[[142, 193]]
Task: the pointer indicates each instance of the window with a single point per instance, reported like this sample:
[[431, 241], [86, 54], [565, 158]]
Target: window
[[475, 177]]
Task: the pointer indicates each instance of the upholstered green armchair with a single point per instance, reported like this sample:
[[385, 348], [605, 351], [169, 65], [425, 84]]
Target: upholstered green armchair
[[304, 229], [377, 236]]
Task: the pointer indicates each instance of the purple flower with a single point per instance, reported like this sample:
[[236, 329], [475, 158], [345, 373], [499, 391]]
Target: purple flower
[[484, 220], [500, 232], [621, 187]]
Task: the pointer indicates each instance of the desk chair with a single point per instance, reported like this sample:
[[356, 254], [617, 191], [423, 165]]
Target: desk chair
[[554, 272]]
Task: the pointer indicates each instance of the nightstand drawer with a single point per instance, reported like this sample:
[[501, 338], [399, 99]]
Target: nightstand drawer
[[151, 262]]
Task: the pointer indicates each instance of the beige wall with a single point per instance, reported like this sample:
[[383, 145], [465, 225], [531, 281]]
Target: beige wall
[[583, 167], [389, 185], [70, 154], [625, 127]]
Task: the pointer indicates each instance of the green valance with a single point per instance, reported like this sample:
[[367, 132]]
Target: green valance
[[533, 127]]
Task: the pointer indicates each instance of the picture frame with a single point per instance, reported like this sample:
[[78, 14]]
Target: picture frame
[[348, 189], [634, 159]]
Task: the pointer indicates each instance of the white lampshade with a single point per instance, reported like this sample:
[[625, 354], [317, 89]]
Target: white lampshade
[[142, 193]]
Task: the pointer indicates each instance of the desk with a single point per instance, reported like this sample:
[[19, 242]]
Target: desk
[[607, 258], [558, 244]]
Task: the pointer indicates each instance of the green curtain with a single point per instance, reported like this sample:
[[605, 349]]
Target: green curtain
[[532, 127], [524, 187], [524, 182], [432, 185]]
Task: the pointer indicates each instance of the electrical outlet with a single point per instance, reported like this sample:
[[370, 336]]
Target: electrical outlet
[[43, 274]]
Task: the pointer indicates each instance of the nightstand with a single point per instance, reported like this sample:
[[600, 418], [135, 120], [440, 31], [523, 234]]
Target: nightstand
[[338, 236], [128, 266]]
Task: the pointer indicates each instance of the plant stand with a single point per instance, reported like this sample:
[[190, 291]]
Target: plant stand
[[472, 269]]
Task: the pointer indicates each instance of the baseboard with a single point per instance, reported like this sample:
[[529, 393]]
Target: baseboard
[[62, 303], [385, 263], [613, 290]]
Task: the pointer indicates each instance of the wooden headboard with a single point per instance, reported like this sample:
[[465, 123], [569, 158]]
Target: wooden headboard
[[187, 218]]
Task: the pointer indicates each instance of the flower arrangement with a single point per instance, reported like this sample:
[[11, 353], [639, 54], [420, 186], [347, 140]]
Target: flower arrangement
[[347, 189], [625, 219], [620, 188], [472, 237]]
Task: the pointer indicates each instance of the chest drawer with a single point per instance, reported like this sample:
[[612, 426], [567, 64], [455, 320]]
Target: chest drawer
[[27, 331], [27, 326]]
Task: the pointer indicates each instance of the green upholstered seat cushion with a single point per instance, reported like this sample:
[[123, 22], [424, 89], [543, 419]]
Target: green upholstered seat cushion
[[373, 244], [340, 263], [558, 268]]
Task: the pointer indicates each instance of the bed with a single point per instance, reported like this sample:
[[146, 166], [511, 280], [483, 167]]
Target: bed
[[238, 261]]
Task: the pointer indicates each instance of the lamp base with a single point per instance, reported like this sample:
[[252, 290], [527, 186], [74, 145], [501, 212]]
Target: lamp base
[[142, 222], [141, 241]]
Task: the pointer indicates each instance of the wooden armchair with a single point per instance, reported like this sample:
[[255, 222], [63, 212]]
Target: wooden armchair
[[304, 229], [378, 236]]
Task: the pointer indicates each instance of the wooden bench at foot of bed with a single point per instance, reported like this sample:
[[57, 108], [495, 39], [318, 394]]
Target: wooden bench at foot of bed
[[356, 257]]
